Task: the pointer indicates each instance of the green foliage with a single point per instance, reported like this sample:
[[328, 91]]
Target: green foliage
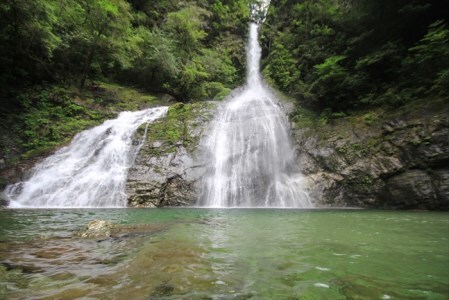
[[430, 59], [346, 55], [172, 130], [190, 50], [165, 46], [51, 118], [187, 25], [51, 115], [369, 118], [283, 68]]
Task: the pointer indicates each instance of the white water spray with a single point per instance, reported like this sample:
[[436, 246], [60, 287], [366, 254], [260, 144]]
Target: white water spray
[[249, 152], [91, 171]]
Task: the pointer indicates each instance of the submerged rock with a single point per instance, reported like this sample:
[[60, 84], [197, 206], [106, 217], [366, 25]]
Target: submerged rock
[[380, 159], [97, 229], [164, 172], [162, 290]]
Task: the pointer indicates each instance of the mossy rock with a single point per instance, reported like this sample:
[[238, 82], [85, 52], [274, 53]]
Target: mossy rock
[[176, 129]]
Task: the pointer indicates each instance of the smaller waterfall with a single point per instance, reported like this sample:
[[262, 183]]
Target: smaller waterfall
[[248, 151], [91, 171]]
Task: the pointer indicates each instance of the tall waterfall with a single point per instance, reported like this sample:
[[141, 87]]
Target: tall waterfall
[[249, 152], [91, 171]]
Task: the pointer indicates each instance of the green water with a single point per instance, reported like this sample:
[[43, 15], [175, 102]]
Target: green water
[[226, 254]]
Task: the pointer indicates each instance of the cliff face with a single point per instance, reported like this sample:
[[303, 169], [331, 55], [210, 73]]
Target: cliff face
[[165, 172], [380, 159]]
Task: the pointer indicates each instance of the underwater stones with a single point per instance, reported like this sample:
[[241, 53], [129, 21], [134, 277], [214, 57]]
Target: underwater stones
[[162, 290]]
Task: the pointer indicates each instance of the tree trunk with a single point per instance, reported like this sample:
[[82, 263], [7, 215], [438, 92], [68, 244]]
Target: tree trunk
[[86, 68]]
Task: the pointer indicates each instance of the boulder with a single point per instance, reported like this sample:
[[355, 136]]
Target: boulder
[[97, 229]]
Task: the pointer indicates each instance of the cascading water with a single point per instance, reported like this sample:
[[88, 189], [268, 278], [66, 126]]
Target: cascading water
[[248, 151], [91, 171]]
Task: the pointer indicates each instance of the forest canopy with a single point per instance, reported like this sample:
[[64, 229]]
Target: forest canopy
[[189, 49], [333, 55], [340, 55]]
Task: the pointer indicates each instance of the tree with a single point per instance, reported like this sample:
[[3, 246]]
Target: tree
[[27, 40]]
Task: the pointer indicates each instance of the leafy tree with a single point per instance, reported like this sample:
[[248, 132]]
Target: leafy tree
[[187, 27], [104, 31], [430, 59], [393, 51], [27, 41], [157, 61]]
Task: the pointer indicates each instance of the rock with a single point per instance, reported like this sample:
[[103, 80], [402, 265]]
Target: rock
[[399, 160], [4, 201], [164, 289], [97, 229], [441, 185], [411, 189], [164, 172]]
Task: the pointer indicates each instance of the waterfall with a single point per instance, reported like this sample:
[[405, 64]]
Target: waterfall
[[248, 151], [91, 171]]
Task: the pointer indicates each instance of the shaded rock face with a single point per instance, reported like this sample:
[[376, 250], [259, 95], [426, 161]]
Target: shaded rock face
[[164, 172], [399, 160]]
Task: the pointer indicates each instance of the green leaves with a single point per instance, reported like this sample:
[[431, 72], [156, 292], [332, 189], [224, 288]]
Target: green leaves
[[186, 25], [191, 50], [330, 68], [430, 59], [343, 55]]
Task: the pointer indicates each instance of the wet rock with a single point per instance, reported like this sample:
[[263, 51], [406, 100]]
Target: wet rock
[[164, 172], [97, 229], [440, 180], [162, 290], [411, 189], [4, 202], [399, 160]]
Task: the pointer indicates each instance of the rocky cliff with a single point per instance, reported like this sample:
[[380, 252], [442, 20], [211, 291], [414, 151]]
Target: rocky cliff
[[165, 172], [378, 159]]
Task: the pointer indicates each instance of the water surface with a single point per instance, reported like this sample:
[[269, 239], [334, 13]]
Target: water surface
[[226, 254]]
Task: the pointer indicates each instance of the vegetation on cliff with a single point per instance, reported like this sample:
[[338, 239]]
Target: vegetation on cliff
[[57, 55], [192, 50], [339, 56]]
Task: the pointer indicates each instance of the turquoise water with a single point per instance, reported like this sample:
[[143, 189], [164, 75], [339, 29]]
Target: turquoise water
[[226, 254]]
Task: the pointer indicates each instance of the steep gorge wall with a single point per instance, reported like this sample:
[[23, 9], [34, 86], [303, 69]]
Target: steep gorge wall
[[381, 159]]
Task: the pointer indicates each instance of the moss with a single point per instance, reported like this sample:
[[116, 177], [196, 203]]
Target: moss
[[303, 118], [120, 98], [175, 128], [369, 118]]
